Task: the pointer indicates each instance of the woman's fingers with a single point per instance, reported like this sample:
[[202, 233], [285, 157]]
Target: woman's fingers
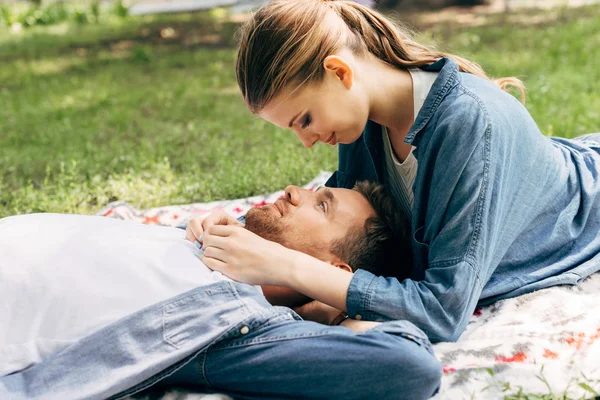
[[219, 218], [194, 230], [215, 253], [215, 241], [222, 230], [198, 226], [214, 264]]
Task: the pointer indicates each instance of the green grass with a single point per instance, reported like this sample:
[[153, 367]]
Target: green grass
[[95, 113]]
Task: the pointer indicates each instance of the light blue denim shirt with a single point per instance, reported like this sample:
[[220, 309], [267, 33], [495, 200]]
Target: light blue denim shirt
[[226, 338], [142, 348], [499, 209]]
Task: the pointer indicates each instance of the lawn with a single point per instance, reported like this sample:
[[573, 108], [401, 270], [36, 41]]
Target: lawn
[[95, 113]]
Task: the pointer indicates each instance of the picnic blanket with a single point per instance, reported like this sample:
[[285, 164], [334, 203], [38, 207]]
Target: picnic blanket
[[545, 342]]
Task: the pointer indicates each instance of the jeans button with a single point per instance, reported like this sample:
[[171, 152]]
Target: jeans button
[[358, 317], [244, 330]]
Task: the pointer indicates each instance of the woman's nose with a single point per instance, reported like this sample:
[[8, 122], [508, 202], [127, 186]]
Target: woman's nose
[[308, 140], [293, 195]]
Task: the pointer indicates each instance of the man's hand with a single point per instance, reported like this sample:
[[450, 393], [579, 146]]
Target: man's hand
[[197, 226], [322, 313], [358, 326], [318, 312]]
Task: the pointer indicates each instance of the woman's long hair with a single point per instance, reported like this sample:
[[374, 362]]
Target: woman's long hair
[[286, 42]]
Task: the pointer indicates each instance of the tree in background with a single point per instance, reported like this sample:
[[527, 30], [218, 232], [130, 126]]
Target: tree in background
[[428, 4]]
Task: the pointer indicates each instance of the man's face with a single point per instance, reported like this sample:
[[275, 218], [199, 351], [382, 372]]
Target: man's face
[[310, 221]]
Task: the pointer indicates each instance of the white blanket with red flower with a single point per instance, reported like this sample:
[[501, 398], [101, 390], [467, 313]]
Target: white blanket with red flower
[[546, 342]]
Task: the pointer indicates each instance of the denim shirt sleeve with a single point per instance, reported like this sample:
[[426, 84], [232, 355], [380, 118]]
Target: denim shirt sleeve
[[452, 236], [438, 305]]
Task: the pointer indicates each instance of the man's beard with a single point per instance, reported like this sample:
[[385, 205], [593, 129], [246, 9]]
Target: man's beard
[[263, 223]]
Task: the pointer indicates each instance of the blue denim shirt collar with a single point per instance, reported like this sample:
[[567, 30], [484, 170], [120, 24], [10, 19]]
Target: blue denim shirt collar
[[368, 149], [448, 77]]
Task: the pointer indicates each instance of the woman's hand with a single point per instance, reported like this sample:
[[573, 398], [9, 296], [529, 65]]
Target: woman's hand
[[197, 226], [246, 257]]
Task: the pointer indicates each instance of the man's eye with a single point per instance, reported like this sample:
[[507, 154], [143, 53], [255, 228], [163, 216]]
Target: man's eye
[[306, 122], [323, 206]]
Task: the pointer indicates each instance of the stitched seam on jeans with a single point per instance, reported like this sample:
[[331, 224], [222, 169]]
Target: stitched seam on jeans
[[272, 339], [203, 367], [155, 378]]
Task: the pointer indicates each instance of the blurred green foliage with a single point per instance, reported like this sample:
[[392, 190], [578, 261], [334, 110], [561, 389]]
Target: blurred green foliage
[[147, 110], [24, 15]]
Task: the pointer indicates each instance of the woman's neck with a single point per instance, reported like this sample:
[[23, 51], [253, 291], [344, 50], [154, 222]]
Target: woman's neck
[[391, 102]]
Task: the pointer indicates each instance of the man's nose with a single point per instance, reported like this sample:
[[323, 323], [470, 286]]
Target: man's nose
[[293, 194]]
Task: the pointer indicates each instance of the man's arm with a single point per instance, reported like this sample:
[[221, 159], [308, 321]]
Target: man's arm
[[282, 296]]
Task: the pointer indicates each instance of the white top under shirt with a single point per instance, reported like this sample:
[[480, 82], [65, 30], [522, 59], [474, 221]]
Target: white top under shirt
[[401, 175], [65, 276]]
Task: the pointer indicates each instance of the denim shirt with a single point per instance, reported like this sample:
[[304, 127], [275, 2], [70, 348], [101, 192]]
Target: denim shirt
[[139, 350], [499, 209]]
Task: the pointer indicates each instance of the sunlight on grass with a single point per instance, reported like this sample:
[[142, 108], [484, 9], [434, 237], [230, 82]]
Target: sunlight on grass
[[116, 111], [55, 66]]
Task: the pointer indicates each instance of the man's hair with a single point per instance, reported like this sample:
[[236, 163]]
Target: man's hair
[[382, 245]]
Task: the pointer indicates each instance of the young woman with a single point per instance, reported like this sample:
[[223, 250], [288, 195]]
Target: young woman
[[496, 208]]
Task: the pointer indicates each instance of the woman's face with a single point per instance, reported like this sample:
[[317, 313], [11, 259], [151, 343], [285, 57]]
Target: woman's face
[[332, 111]]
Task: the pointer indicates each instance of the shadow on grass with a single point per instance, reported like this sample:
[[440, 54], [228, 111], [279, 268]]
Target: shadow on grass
[[187, 32], [203, 30]]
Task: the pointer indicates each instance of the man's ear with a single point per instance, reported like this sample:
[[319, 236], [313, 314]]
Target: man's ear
[[342, 265], [340, 68]]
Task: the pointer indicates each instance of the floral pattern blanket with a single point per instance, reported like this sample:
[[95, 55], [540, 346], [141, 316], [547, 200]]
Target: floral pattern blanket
[[546, 342]]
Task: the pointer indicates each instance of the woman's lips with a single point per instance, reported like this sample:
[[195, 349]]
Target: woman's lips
[[332, 140]]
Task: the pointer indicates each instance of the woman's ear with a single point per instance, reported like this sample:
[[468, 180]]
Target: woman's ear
[[340, 68]]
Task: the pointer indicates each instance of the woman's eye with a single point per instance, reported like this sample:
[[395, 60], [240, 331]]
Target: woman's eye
[[306, 122]]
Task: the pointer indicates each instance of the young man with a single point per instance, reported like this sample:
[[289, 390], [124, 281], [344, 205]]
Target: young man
[[98, 308]]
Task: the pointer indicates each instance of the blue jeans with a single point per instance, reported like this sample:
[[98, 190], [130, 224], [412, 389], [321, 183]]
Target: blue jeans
[[286, 358]]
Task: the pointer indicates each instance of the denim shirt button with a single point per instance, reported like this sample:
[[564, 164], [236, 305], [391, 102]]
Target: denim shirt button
[[358, 317], [244, 330]]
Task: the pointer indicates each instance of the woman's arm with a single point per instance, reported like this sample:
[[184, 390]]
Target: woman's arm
[[464, 220], [441, 304], [318, 280]]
